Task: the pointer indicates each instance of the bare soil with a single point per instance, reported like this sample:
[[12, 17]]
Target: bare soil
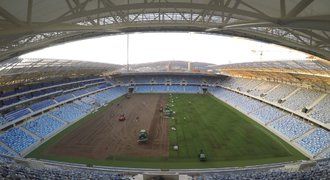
[[104, 136]]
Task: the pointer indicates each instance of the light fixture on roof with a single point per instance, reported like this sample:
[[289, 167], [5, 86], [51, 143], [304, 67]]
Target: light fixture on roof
[[212, 29]]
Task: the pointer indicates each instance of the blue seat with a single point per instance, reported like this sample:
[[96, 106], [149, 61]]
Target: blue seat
[[43, 126], [17, 139], [11, 116], [192, 89], [67, 113], [291, 126], [41, 105], [316, 141], [64, 97]]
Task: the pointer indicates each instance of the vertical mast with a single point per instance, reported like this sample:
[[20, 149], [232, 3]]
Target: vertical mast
[[127, 52]]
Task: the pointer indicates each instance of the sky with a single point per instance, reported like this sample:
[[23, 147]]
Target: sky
[[151, 47]]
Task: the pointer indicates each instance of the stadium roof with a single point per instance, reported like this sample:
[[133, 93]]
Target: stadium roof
[[33, 24], [18, 70], [315, 74]]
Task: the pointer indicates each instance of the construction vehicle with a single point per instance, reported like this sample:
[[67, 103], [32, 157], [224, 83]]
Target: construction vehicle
[[143, 136], [168, 111], [122, 117], [202, 156]]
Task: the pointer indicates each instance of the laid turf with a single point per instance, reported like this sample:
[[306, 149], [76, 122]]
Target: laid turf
[[224, 134], [228, 137]]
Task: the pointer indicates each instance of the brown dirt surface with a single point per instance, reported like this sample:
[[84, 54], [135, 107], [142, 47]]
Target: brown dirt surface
[[105, 136]]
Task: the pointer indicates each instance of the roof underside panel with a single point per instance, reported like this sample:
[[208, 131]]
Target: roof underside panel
[[17, 70], [33, 24]]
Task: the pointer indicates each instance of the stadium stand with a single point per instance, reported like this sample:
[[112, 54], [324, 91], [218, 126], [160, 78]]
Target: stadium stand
[[91, 89], [291, 127], [253, 105], [102, 86], [262, 88], [243, 102], [325, 155], [10, 101], [67, 113], [235, 83], [99, 99], [26, 93], [64, 97], [20, 114], [141, 80], [267, 114], [192, 89], [315, 142], [17, 140], [109, 95], [176, 89], [170, 79], [176, 79], [16, 171], [300, 99], [2, 119], [9, 169], [143, 89], [80, 92], [88, 100], [159, 79], [280, 92], [193, 80], [17, 114], [294, 99], [4, 151], [43, 126], [167, 89], [159, 88], [321, 111], [250, 85], [123, 80], [41, 105], [83, 107], [320, 171]]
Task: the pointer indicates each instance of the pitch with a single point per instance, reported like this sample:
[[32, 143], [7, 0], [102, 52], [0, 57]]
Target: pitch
[[228, 137], [224, 134]]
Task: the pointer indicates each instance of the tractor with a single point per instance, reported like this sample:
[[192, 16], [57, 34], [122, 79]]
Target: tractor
[[168, 112], [143, 136], [122, 117], [202, 156]]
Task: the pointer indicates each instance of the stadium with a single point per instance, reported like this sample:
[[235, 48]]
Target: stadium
[[69, 119]]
